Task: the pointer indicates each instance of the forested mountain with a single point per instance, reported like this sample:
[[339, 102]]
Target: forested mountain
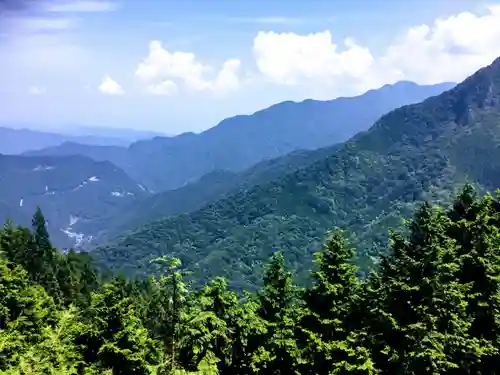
[[193, 196], [416, 152], [431, 308], [237, 143], [71, 190], [17, 141]]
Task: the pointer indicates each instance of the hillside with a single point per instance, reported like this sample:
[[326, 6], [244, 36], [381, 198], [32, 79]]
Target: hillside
[[70, 190], [211, 187], [237, 143], [416, 152]]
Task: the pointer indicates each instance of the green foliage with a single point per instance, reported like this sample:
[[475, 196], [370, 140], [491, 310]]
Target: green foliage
[[330, 337], [194, 196], [113, 335], [25, 309], [432, 307], [424, 316], [280, 308]]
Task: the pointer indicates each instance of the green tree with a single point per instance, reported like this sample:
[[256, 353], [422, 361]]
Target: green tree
[[422, 324], [41, 235], [76, 277], [164, 306], [280, 308], [476, 228], [220, 327], [40, 258], [55, 353], [210, 324], [25, 311], [15, 243], [329, 338], [278, 293], [113, 337]]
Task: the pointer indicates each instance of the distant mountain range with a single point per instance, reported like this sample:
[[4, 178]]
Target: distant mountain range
[[366, 185], [109, 132], [116, 203], [16, 141], [237, 143], [71, 192]]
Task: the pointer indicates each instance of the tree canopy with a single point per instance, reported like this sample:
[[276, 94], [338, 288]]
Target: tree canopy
[[431, 307]]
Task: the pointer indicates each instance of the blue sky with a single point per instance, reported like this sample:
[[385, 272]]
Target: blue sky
[[183, 65]]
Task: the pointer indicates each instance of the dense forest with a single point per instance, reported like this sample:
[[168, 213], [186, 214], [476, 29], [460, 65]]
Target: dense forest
[[431, 307]]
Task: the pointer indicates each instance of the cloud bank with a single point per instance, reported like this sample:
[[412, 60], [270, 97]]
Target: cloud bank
[[449, 49]]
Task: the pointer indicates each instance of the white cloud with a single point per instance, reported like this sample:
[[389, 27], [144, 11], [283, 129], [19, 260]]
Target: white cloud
[[162, 66], [447, 50], [228, 78], [289, 58], [83, 6], [110, 87], [36, 90]]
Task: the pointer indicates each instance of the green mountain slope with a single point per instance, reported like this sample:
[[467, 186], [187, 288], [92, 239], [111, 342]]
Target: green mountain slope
[[237, 143], [209, 188], [71, 191], [416, 152]]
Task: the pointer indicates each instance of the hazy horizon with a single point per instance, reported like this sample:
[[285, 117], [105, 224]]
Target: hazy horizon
[[86, 129]]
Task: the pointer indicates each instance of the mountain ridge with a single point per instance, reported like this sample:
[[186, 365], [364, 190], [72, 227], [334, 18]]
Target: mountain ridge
[[15, 141], [249, 139]]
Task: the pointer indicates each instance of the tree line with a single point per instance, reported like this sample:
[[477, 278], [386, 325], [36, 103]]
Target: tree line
[[432, 306]]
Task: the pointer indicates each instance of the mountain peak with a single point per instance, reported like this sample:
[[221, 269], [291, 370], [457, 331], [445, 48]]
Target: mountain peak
[[402, 83], [480, 90], [496, 63]]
